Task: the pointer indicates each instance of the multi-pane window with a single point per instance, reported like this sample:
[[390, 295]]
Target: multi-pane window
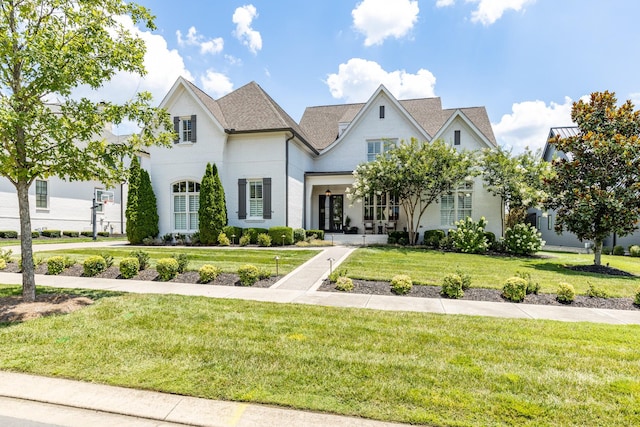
[[381, 207], [457, 205], [255, 199], [378, 146], [186, 130], [42, 194], [186, 202]]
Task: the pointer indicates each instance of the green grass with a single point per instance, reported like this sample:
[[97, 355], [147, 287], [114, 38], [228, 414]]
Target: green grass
[[429, 267], [407, 367], [52, 241], [226, 259]]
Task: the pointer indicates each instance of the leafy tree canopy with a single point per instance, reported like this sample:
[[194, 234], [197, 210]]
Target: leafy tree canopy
[[595, 186], [48, 48], [418, 173]]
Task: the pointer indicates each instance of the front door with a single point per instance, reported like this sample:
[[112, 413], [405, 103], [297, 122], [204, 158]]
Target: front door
[[331, 212]]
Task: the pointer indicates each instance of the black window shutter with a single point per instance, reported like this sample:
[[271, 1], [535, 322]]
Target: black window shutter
[[266, 198], [193, 128], [242, 199], [176, 129]]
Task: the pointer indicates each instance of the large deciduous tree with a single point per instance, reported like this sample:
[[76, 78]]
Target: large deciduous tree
[[517, 179], [418, 173], [49, 48], [595, 185]]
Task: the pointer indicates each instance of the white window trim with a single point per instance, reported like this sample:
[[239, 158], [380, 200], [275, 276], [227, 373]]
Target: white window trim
[[46, 208], [187, 212], [181, 130], [250, 217], [456, 205], [384, 145]]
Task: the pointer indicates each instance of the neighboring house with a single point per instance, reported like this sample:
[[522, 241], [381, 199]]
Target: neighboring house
[[278, 172], [545, 221], [56, 204]]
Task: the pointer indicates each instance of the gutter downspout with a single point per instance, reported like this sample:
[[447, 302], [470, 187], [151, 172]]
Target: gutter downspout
[[286, 179]]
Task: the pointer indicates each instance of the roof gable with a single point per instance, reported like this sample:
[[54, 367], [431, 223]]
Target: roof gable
[[476, 118]]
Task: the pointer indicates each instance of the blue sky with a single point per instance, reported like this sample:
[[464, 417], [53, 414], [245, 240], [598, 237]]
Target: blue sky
[[526, 61]]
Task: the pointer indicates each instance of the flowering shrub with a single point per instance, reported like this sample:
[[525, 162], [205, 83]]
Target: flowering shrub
[[469, 236], [522, 239]]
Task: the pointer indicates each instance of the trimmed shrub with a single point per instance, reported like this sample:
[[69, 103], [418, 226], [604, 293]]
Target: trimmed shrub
[[263, 273], [522, 239], [167, 268], [319, 234], [182, 260], [71, 233], [606, 250], [466, 280], [253, 234], [401, 284], [8, 234], [344, 284], [469, 237], [432, 238], [86, 233], [244, 240], [35, 234], [3, 264], [142, 213], [452, 286], [491, 240], [532, 286], [636, 301], [230, 231], [399, 237], [277, 233], [143, 258], [634, 251], [129, 267], [249, 274], [223, 240], [108, 259], [103, 233], [333, 277], [51, 233], [94, 265], [594, 292], [55, 265], [514, 289], [208, 273], [264, 240], [299, 235], [618, 250], [566, 293]]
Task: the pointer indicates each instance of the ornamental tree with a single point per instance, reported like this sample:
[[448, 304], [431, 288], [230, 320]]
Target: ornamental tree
[[418, 173], [212, 212], [49, 48], [517, 180], [142, 210], [595, 185]]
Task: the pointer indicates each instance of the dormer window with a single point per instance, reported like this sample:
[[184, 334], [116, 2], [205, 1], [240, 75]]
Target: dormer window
[[382, 111], [185, 128]]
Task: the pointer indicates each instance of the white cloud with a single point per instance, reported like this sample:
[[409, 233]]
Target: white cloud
[[529, 123], [358, 79], [380, 19], [635, 98], [216, 84], [212, 46], [243, 17], [489, 11]]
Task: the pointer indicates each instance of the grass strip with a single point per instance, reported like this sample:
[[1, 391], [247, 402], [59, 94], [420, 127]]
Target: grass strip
[[407, 367]]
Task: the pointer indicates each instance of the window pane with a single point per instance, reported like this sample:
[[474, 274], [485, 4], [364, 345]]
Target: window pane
[[41, 194], [181, 221], [255, 199], [464, 204], [446, 209], [194, 203], [186, 130], [368, 208], [255, 207], [373, 149], [193, 221], [179, 204]]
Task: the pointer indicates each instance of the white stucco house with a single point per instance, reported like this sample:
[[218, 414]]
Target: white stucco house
[[279, 172], [56, 204]]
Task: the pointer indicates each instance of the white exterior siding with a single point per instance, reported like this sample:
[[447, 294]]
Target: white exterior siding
[[299, 162]]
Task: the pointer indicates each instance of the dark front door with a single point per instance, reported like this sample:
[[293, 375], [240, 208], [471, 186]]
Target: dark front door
[[331, 212]]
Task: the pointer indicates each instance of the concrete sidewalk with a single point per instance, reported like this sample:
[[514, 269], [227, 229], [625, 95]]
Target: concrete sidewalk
[[20, 389]]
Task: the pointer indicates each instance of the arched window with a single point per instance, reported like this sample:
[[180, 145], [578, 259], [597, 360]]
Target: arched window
[[186, 201]]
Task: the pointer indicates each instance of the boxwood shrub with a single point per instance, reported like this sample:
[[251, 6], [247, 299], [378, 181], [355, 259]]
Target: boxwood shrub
[[299, 235], [264, 240], [55, 265], [401, 284], [344, 284], [515, 289], [231, 231], [452, 286], [399, 237], [129, 267], [208, 273], [277, 233], [253, 234], [51, 233], [71, 233], [94, 265], [8, 234], [432, 238], [566, 293], [249, 274], [167, 268]]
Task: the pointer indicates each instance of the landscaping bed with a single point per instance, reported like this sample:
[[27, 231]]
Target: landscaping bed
[[371, 287]]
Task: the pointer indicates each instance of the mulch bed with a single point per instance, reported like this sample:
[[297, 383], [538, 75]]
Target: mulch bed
[[481, 294]]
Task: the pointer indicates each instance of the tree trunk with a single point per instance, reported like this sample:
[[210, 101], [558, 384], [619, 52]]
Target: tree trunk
[[28, 278], [597, 252]]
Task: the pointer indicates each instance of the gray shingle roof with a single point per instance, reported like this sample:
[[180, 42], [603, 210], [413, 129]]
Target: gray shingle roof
[[250, 109]]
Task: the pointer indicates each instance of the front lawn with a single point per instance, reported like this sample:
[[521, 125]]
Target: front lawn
[[56, 240], [548, 268], [229, 260], [408, 367]]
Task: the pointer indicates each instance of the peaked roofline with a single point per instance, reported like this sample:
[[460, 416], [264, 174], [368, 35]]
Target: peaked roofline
[[459, 113], [381, 89]]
